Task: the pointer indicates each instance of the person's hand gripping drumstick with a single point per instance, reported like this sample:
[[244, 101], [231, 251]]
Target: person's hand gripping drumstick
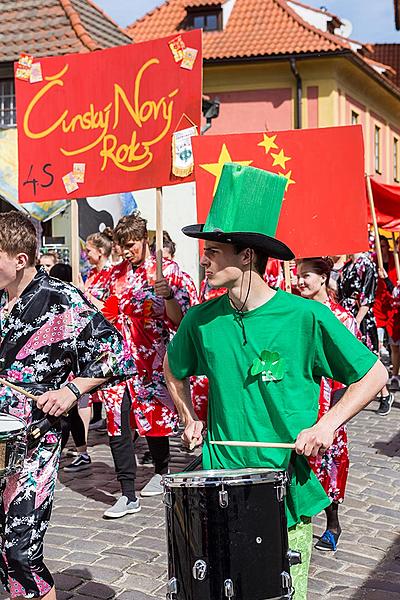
[[193, 434]]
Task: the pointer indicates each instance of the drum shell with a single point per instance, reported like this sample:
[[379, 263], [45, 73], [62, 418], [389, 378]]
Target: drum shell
[[13, 449], [245, 542]]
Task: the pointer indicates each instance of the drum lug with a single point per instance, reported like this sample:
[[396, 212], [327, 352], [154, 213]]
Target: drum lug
[[167, 499], [199, 570], [172, 588], [294, 557], [228, 588], [223, 498], [286, 582], [281, 491]]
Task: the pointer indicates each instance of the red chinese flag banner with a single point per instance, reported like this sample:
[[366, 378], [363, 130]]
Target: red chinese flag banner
[[103, 122], [325, 210], [387, 205]]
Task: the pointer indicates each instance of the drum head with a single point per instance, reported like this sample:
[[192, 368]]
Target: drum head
[[228, 476], [9, 424]]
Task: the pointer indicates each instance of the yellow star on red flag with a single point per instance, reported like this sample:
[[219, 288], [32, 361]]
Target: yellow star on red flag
[[268, 142], [288, 176], [216, 168], [280, 159]]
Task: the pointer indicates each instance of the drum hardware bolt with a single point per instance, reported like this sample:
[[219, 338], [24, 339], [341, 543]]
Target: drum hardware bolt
[[258, 540], [280, 492], [172, 588], [167, 499], [294, 557], [286, 581], [199, 570], [223, 499], [228, 588]]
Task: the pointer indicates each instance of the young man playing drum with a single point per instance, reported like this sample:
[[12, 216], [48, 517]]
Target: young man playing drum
[[264, 352], [49, 334]]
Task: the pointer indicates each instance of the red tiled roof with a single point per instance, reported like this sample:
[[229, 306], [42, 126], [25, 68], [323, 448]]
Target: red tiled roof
[[199, 3], [254, 28], [51, 27], [389, 54]]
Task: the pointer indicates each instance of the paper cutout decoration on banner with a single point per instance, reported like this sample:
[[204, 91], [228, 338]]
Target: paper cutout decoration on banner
[[177, 47], [70, 183], [182, 152], [324, 210], [36, 73], [121, 123], [23, 67], [189, 58], [79, 172]]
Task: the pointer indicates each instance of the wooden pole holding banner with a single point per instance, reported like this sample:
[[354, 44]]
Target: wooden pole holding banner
[[288, 279], [396, 255], [374, 223], [75, 246], [159, 233]]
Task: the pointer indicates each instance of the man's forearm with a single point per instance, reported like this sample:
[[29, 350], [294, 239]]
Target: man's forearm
[[357, 397], [180, 394], [86, 384], [362, 311]]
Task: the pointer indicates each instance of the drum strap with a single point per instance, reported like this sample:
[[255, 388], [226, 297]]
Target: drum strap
[[292, 465]]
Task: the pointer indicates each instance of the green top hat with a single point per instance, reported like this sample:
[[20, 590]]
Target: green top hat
[[245, 210]]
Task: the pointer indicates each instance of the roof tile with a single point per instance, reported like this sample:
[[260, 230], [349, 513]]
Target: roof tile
[[253, 29], [51, 27]]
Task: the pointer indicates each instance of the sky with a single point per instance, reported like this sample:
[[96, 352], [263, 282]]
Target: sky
[[372, 20]]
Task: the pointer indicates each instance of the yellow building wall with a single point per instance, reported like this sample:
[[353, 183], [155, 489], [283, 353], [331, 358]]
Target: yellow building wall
[[336, 79]]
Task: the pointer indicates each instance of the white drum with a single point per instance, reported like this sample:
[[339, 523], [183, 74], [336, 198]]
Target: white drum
[[13, 444]]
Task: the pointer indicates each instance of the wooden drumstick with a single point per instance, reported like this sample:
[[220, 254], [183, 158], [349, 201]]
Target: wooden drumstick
[[16, 388], [254, 444]]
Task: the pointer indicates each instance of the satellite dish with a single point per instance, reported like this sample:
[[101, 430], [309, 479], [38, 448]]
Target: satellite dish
[[345, 29]]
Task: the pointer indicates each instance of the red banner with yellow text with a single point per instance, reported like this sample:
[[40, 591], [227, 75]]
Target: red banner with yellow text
[[104, 122], [324, 211]]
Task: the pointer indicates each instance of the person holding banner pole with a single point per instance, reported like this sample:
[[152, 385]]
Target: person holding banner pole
[[147, 312], [264, 352]]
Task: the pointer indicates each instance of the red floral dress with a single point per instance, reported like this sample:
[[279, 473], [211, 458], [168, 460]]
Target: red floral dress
[[333, 467], [146, 329], [97, 282]]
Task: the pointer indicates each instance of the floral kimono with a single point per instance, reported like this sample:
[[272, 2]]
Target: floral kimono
[[147, 330], [97, 282], [333, 467], [357, 287], [50, 333]]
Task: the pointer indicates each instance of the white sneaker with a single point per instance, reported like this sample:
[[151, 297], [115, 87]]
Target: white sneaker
[[154, 487], [122, 507]]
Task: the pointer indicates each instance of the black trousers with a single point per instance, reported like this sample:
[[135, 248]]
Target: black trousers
[[73, 424], [123, 452]]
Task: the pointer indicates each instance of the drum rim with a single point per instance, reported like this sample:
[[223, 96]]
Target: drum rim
[[9, 434], [197, 479]]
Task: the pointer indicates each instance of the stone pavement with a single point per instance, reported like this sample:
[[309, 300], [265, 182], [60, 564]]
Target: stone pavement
[[125, 559]]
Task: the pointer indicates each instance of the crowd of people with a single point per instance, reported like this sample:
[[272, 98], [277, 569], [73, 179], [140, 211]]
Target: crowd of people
[[122, 284], [137, 358]]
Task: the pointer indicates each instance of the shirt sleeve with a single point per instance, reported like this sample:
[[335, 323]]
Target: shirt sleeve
[[369, 285], [183, 357], [100, 351], [338, 353]]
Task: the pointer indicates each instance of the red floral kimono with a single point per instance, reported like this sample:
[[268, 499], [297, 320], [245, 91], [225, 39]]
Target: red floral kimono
[[333, 467], [97, 282], [147, 330]]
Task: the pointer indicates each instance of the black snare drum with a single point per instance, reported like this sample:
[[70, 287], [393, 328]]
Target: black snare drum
[[227, 535]]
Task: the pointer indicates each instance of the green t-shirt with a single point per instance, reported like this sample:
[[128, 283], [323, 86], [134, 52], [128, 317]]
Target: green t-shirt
[[310, 342]]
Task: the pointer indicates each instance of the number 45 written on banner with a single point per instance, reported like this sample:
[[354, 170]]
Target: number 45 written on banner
[[47, 181]]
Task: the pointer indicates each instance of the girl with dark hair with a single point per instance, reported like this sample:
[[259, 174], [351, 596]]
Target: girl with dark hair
[[332, 467]]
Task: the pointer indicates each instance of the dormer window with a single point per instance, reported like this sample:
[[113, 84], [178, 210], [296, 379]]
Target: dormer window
[[208, 18]]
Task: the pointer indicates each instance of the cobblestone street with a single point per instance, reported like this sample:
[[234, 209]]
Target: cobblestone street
[[125, 559]]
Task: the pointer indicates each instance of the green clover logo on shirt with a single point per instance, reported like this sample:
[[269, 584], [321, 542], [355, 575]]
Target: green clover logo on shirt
[[270, 365]]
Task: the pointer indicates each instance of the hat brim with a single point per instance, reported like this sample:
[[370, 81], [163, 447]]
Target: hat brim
[[271, 246]]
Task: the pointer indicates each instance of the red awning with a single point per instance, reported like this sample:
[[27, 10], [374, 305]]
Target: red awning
[[387, 205]]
